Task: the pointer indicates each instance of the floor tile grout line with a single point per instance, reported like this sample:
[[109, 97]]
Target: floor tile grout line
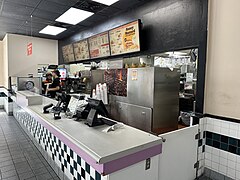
[[36, 149], [23, 153], [29, 140], [9, 151]]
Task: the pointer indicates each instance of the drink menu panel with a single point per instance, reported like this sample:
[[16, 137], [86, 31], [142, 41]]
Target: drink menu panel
[[68, 54], [99, 45], [125, 39], [81, 50]]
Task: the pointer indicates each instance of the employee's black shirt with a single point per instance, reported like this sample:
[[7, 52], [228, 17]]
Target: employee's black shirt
[[56, 83]]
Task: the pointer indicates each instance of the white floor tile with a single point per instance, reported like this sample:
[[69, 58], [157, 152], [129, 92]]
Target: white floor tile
[[215, 166], [217, 129], [208, 163], [208, 156], [238, 174], [223, 154], [238, 166], [215, 158], [233, 126], [232, 157], [224, 131], [231, 164], [231, 173], [223, 169], [215, 151], [208, 149], [225, 125], [233, 133], [223, 161]]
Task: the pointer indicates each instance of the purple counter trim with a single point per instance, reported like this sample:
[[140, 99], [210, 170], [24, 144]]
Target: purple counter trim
[[106, 168], [132, 159], [70, 144]]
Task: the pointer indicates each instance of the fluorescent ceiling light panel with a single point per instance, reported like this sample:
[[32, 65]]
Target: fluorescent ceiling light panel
[[74, 16], [52, 30], [106, 2]]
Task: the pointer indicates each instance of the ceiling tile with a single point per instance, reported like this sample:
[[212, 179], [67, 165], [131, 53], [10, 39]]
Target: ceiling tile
[[31, 3], [53, 7], [16, 13]]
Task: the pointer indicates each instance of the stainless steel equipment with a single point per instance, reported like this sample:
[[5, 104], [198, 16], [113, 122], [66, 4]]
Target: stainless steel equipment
[[33, 84], [152, 101]]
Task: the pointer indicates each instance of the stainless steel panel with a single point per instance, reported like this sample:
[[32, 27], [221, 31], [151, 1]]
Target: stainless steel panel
[[122, 112], [154, 88], [139, 117], [37, 81], [166, 99], [139, 91], [135, 116]]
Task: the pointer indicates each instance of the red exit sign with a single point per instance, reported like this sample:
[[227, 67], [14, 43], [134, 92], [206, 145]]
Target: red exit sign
[[29, 49]]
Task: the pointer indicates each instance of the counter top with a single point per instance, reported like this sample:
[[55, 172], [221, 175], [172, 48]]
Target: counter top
[[28, 94], [102, 146]]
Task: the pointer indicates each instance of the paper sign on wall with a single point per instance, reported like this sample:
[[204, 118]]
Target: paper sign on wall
[[29, 49], [134, 75]]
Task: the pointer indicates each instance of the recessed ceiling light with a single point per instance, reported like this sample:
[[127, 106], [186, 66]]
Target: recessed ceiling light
[[52, 30], [74, 16], [106, 2]]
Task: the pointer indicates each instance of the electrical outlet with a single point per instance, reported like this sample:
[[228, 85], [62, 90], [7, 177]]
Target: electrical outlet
[[148, 164]]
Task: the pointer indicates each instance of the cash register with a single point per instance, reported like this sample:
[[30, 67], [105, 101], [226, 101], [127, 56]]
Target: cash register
[[97, 108]]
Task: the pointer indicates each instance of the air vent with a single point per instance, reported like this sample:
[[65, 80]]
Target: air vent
[[63, 25], [89, 6]]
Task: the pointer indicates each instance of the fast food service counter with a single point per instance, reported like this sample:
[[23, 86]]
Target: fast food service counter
[[76, 151]]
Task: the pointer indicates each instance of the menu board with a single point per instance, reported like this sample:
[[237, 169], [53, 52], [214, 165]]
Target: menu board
[[68, 54], [125, 39], [99, 45], [81, 50]]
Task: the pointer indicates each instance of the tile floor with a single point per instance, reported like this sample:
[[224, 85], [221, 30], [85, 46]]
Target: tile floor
[[204, 178], [19, 158]]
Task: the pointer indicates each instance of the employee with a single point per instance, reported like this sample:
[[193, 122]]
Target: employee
[[48, 78], [46, 82], [55, 86]]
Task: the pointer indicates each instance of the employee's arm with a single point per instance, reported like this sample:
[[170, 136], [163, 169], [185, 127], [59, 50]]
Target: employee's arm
[[54, 89]]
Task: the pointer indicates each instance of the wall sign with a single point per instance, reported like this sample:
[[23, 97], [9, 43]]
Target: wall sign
[[125, 39], [81, 50], [99, 45], [68, 54], [29, 49]]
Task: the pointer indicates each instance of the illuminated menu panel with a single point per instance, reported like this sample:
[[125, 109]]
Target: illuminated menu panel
[[81, 50], [68, 54], [99, 45], [125, 39]]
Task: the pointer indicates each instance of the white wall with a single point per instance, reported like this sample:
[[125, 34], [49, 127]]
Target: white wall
[[45, 51], [222, 95], [1, 63], [5, 62]]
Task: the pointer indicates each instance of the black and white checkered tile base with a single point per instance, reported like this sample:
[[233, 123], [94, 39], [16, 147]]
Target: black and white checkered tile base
[[72, 165]]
